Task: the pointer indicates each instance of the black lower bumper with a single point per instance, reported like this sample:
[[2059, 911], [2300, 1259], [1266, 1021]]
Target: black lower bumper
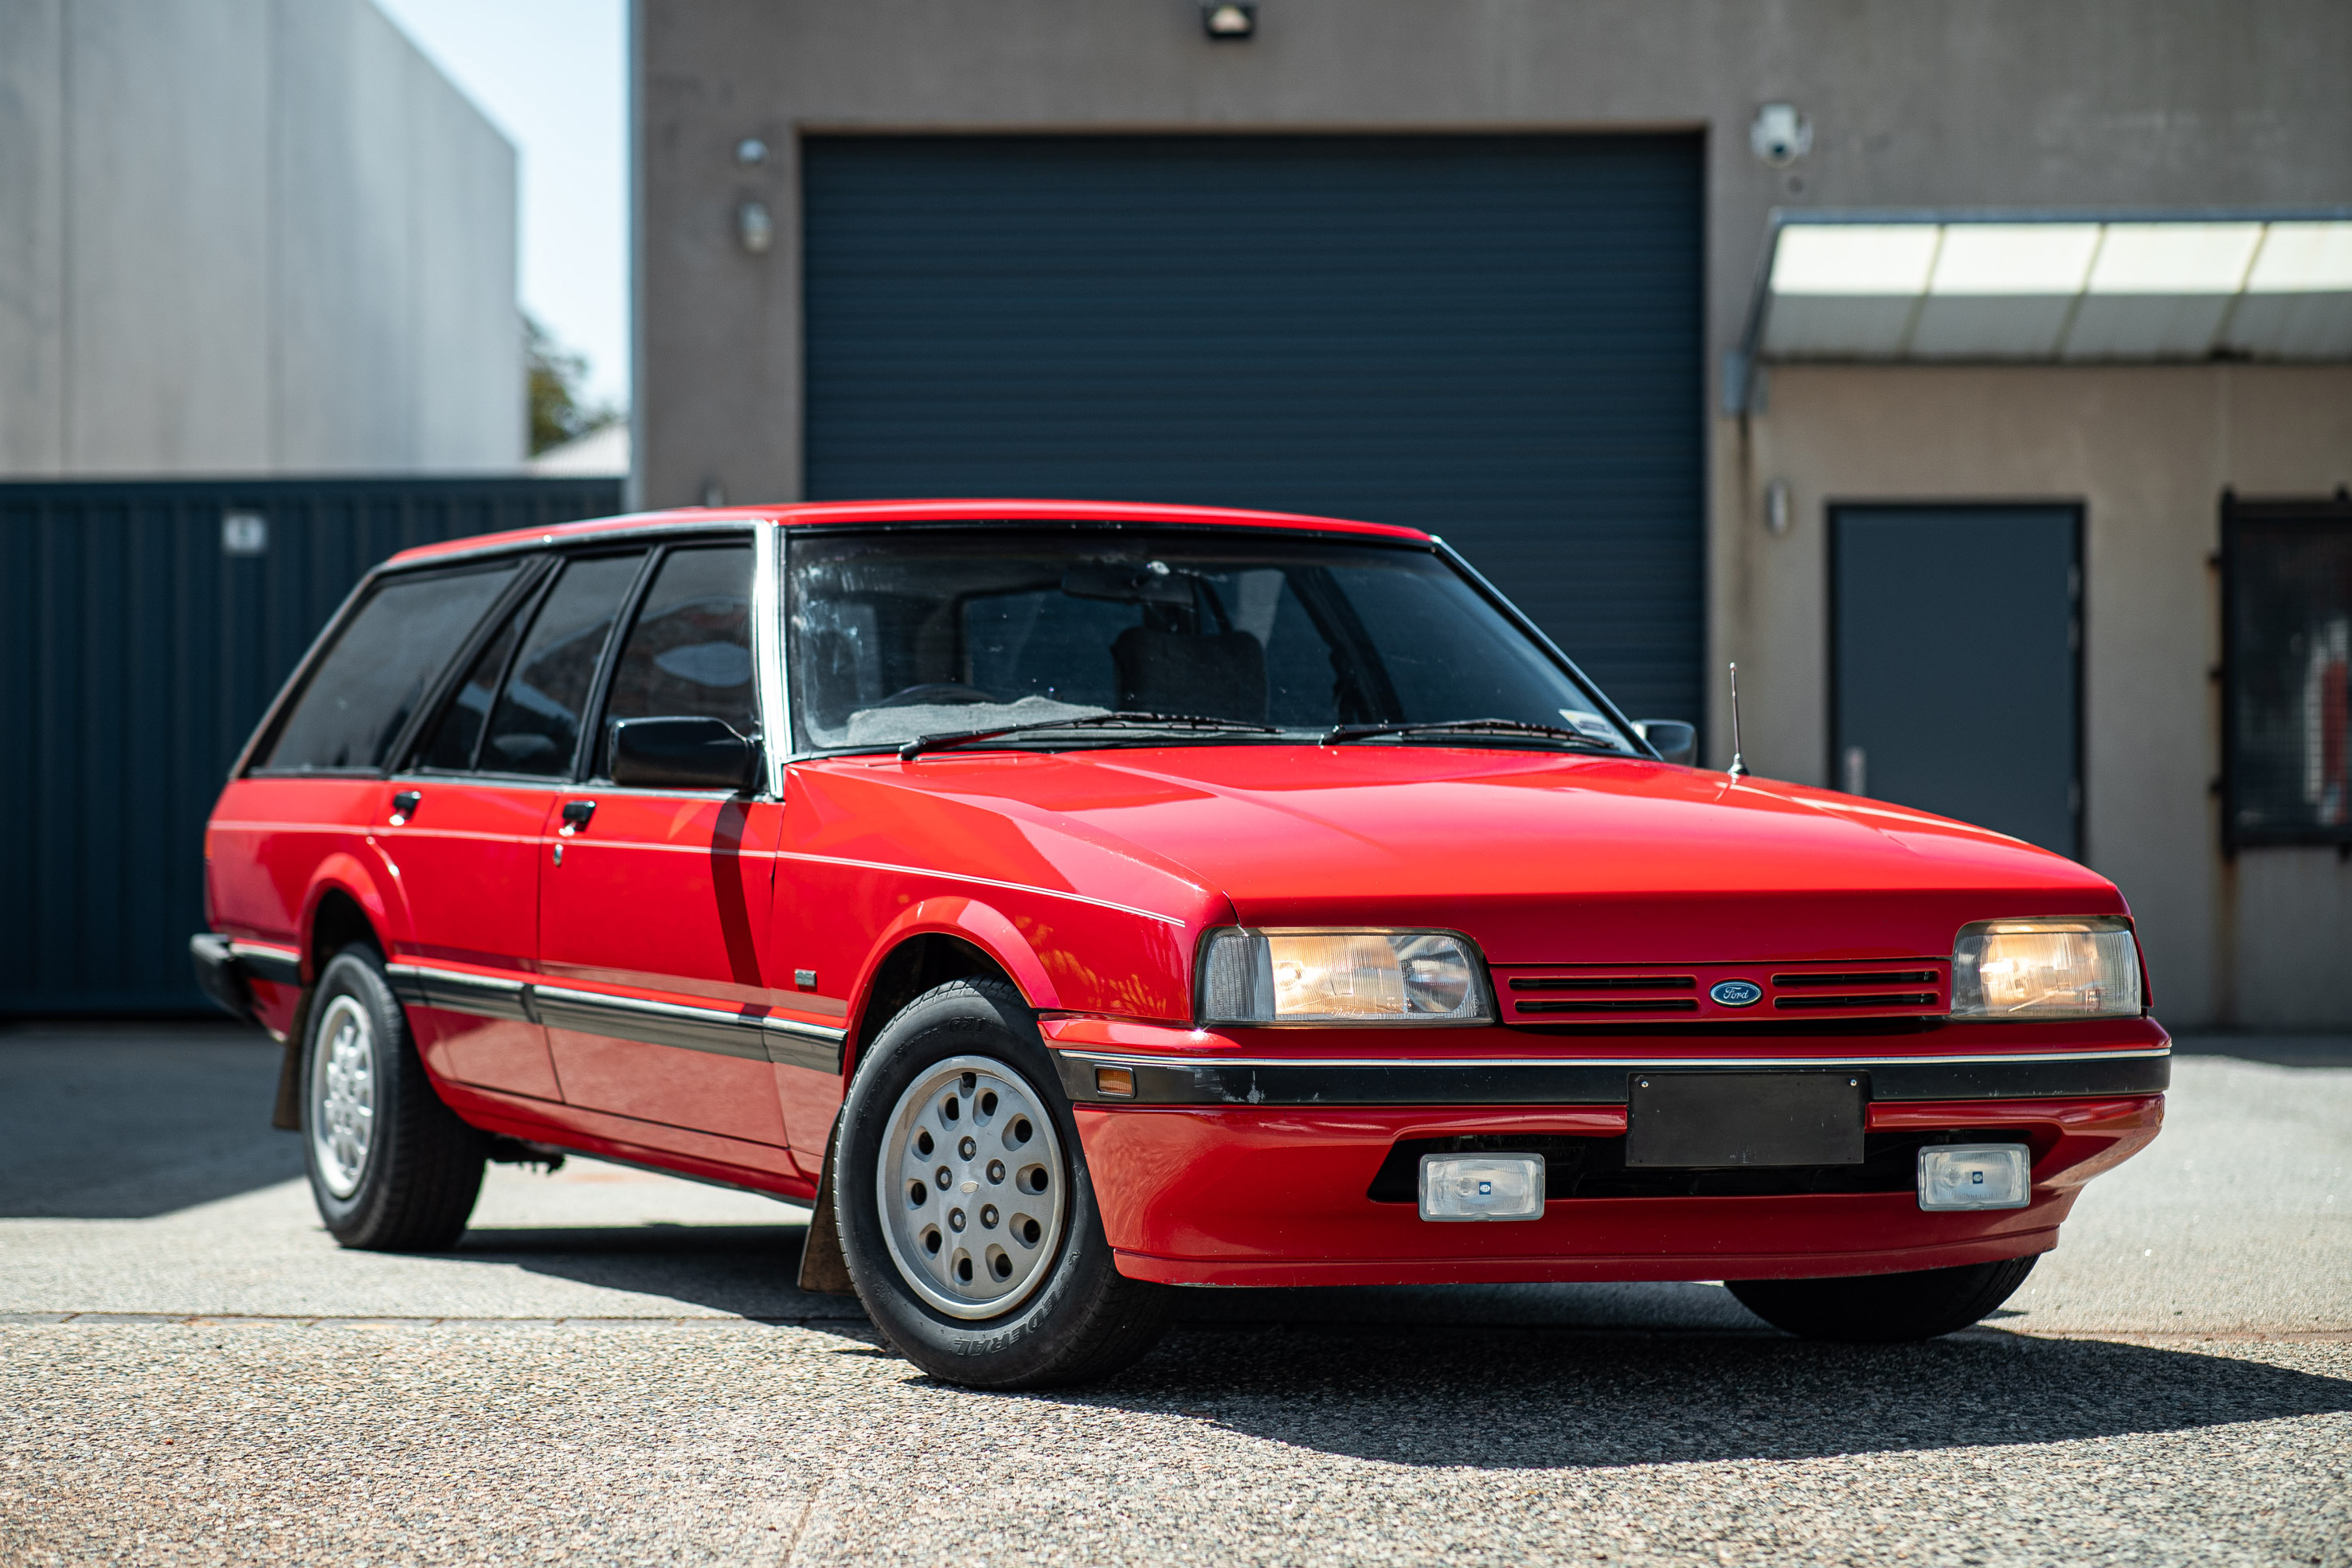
[[1165, 1081], [221, 975]]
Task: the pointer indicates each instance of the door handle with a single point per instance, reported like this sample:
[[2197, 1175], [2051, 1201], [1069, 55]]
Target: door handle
[[404, 805], [575, 816]]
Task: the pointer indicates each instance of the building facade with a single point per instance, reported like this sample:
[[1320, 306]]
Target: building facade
[[1550, 278], [248, 236]]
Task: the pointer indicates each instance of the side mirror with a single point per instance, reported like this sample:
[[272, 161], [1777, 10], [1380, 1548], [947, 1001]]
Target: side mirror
[[682, 753], [1669, 737]]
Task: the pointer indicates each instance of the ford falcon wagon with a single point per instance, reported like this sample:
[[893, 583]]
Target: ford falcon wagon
[[1076, 903]]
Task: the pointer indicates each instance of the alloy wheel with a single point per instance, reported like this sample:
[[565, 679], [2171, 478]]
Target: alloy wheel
[[342, 1095], [970, 1185]]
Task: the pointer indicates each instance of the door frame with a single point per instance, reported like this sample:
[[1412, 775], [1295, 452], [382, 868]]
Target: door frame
[[1836, 511]]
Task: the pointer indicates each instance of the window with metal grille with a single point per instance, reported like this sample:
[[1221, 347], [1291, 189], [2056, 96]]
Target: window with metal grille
[[2287, 640]]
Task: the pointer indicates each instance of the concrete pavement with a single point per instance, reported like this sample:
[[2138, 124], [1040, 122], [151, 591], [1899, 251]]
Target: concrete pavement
[[614, 1366]]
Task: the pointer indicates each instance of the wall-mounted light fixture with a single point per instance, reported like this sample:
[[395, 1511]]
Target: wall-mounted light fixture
[[1779, 135], [754, 227], [751, 152], [1229, 21], [1776, 509]]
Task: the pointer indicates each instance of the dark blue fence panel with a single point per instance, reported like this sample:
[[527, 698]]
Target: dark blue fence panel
[[1495, 338], [137, 652]]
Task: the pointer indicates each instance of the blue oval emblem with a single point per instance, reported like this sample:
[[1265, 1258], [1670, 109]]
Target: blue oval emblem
[[1737, 993]]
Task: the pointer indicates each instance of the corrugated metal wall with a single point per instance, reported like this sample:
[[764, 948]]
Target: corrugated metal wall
[[1494, 338], [136, 656]]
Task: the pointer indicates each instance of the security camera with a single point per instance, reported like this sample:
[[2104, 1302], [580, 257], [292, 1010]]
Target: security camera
[[1780, 135]]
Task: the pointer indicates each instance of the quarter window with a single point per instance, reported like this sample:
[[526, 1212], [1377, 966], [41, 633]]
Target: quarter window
[[365, 690], [535, 728]]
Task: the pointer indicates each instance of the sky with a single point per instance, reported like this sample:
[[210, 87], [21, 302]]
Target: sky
[[552, 76]]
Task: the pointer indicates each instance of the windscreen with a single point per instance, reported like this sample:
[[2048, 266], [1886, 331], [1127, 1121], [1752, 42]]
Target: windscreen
[[893, 635]]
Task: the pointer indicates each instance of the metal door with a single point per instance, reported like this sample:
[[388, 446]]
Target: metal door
[[1956, 663], [1496, 338]]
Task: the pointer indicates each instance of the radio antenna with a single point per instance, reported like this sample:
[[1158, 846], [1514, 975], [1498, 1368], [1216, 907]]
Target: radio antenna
[[1738, 769]]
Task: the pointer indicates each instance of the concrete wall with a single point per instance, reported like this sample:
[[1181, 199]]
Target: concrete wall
[[248, 236], [2165, 104]]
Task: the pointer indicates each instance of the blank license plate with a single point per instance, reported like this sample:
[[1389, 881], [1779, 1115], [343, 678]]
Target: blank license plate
[[1745, 1118]]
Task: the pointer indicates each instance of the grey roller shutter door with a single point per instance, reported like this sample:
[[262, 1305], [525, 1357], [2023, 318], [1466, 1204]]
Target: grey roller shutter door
[[1494, 338]]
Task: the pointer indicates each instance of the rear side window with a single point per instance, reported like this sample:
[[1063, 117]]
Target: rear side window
[[690, 652], [535, 728], [380, 667]]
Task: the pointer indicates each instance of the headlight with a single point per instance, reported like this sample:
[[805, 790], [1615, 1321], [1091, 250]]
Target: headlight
[[2026, 969], [1341, 976]]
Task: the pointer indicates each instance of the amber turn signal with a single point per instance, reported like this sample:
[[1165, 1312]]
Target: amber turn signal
[[1115, 1082]]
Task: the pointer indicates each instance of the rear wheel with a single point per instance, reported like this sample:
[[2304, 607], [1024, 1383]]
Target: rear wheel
[[967, 1217], [1884, 1309], [392, 1168]]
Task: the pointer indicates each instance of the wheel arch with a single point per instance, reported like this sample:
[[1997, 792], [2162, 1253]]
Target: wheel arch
[[932, 943]]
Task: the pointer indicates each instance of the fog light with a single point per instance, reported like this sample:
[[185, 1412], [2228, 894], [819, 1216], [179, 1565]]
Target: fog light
[[1482, 1186], [1975, 1175]]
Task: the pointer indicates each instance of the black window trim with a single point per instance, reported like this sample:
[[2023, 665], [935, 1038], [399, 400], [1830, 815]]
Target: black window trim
[[655, 545]]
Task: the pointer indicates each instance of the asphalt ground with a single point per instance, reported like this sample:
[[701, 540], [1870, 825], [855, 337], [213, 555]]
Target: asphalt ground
[[614, 1367]]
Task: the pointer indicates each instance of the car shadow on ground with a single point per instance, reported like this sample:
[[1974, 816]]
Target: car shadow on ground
[[129, 1121], [1487, 1397], [745, 1271], [1522, 1376]]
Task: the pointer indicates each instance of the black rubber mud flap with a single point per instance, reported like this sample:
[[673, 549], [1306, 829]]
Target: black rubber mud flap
[[286, 1117], [823, 1272]]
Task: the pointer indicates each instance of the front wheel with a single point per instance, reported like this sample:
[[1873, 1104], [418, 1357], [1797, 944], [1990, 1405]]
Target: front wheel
[[1884, 1309], [392, 1168], [967, 1217]]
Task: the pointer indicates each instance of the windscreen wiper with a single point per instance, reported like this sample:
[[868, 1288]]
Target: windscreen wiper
[[923, 743], [1339, 733]]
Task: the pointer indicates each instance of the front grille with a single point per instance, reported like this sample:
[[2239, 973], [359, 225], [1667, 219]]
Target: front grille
[[1800, 994], [1613, 1005], [1889, 978], [1604, 983]]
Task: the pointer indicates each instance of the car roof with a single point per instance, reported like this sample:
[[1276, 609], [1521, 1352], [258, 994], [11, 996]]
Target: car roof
[[815, 513]]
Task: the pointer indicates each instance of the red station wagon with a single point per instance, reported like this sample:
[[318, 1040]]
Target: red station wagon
[[1078, 901]]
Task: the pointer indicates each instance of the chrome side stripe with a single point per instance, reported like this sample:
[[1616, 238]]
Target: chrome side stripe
[[721, 1031]]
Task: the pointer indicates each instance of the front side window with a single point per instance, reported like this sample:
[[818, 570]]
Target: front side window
[[690, 653], [361, 695], [535, 728], [892, 635]]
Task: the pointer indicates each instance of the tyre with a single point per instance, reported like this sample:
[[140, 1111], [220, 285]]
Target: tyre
[[392, 1168], [967, 1219], [1884, 1309]]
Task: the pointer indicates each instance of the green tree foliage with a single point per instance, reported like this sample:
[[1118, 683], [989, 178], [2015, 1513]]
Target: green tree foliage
[[558, 414]]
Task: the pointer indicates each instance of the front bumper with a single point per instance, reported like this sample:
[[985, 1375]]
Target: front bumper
[[1253, 1161]]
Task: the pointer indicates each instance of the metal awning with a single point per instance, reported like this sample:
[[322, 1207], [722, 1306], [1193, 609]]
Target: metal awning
[[2054, 289]]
